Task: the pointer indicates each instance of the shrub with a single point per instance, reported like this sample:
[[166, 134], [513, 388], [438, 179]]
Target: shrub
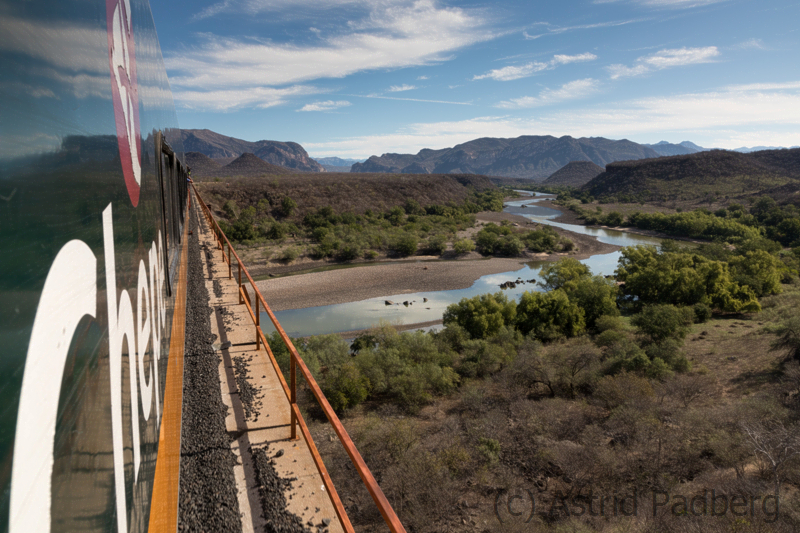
[[288, 206], [661, 322], [609, 322], [231, 210], [463, 246], [437, 244], [481, 316], [509, 245], [609, 337], [623, 389], [490, 449], [702, 313], [345, 387], [405, 244], [290, 254]]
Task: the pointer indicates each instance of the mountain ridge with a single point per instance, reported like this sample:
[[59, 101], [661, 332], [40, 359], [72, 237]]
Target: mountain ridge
[[713, 173], [289, 155], [533, 157]]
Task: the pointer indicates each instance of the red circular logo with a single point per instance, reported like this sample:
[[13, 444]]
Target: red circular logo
[[125, 93]]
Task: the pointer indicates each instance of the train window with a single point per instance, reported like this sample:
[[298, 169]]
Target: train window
[[173, 188]]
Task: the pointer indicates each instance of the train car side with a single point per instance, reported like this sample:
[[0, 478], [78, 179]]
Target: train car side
[[93, 203]]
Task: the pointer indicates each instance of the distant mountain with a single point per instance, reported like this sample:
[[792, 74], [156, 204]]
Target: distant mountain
[[710, 174], [684, 148], [337, 161], [531, 157], [745, 150], [201, 163], [693, 146], [246, 165], [214, 145], [575, 174]]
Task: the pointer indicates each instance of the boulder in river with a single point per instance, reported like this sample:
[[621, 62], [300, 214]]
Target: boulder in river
[[388, 302]]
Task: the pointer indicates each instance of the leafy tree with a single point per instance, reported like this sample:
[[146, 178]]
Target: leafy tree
[[563, 273], [664, 321], [595, 295], [680, 279], [759, 270], [549, 315], [481, 316]]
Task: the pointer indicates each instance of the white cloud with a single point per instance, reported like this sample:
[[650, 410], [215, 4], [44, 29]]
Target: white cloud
[[381, 97], [568, 91], [727, 118], [750, 44], [232, 99], [401, 88], [675, 57], [669, 4], [254, 7], [422, 77], [529, 69], [393, 34], [327, 105], [513, 73], [555, 30]]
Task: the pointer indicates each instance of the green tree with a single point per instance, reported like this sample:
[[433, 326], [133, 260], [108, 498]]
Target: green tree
[[563, 273], [405, 244], [481, 316], [759, 270], [345, 387], [288, 206], [549, 315], [595, 295], [680, 279]]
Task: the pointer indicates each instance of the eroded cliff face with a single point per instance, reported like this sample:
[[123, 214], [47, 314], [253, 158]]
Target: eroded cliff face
[[217, 146]]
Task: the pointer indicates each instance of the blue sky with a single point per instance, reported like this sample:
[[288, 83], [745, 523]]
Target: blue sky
[[354, 78]]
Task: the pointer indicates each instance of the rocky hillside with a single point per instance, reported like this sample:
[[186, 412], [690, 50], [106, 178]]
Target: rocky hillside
[[712, 174], [575, 174], [201, 164], [216, 146], [530, 157], [246, 165], [345, 191]]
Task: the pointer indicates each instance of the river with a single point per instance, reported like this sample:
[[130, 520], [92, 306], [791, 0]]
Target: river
[[367, 313]]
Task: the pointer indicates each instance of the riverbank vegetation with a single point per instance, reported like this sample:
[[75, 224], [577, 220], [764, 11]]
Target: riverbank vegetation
[[677, 377]]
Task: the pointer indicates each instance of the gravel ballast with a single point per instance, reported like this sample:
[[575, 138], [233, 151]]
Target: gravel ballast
[[208, 500]]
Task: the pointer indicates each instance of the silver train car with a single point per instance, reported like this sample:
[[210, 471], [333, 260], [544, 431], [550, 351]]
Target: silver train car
[[93, 222]]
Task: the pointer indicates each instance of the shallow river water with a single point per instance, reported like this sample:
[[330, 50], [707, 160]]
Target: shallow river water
[[367, 313]]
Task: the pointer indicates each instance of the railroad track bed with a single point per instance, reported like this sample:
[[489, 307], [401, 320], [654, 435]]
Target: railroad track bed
[[240, 470]]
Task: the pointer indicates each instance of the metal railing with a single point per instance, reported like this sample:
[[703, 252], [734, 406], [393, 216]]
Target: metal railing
[[290, 389]]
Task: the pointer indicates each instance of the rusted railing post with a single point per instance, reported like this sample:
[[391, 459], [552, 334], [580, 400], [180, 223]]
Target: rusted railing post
[[295, 363], [258, 325], [293, 389], [230, 267], [239, 266]]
